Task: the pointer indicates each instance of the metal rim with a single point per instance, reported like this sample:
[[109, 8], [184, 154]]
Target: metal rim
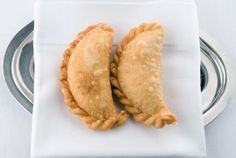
[[220, 79], [214, 74], [220, 70], [18, 40]]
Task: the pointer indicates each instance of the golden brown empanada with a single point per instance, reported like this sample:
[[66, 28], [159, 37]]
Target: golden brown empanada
[[85, 78], [136, 75]]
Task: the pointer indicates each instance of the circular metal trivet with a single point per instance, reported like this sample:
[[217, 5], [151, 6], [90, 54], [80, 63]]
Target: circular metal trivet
[[215, 77]]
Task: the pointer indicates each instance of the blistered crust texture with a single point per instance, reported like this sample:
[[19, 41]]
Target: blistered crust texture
[[136, 75], [84, 78]]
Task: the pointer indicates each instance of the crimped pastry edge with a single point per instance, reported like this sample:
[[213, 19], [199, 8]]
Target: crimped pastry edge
[[99, 124], [158, 121]]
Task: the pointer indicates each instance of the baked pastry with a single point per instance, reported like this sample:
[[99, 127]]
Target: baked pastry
[[136, 75], [85, 78]]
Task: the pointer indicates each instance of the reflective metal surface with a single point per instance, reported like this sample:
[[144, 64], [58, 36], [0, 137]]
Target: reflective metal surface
[[220, 74], [17, 66], [218, 79]]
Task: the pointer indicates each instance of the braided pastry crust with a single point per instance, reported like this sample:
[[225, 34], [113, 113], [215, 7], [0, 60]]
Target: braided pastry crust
[[95, 115], [137, 60]]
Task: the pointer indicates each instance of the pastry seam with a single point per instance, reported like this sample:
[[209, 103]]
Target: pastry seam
[[138, 114], [94, 123]]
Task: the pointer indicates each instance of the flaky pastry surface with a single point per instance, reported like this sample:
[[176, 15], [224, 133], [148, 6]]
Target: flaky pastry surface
[[85, 78], [136, 75]]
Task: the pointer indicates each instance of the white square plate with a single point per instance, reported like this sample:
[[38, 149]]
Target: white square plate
[[58, 133]]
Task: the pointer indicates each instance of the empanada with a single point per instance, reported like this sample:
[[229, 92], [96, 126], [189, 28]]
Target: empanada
[[136, 75], [85, 78]]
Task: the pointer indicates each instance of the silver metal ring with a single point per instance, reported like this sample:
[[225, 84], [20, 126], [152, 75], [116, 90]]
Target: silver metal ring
[[216, 74]]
